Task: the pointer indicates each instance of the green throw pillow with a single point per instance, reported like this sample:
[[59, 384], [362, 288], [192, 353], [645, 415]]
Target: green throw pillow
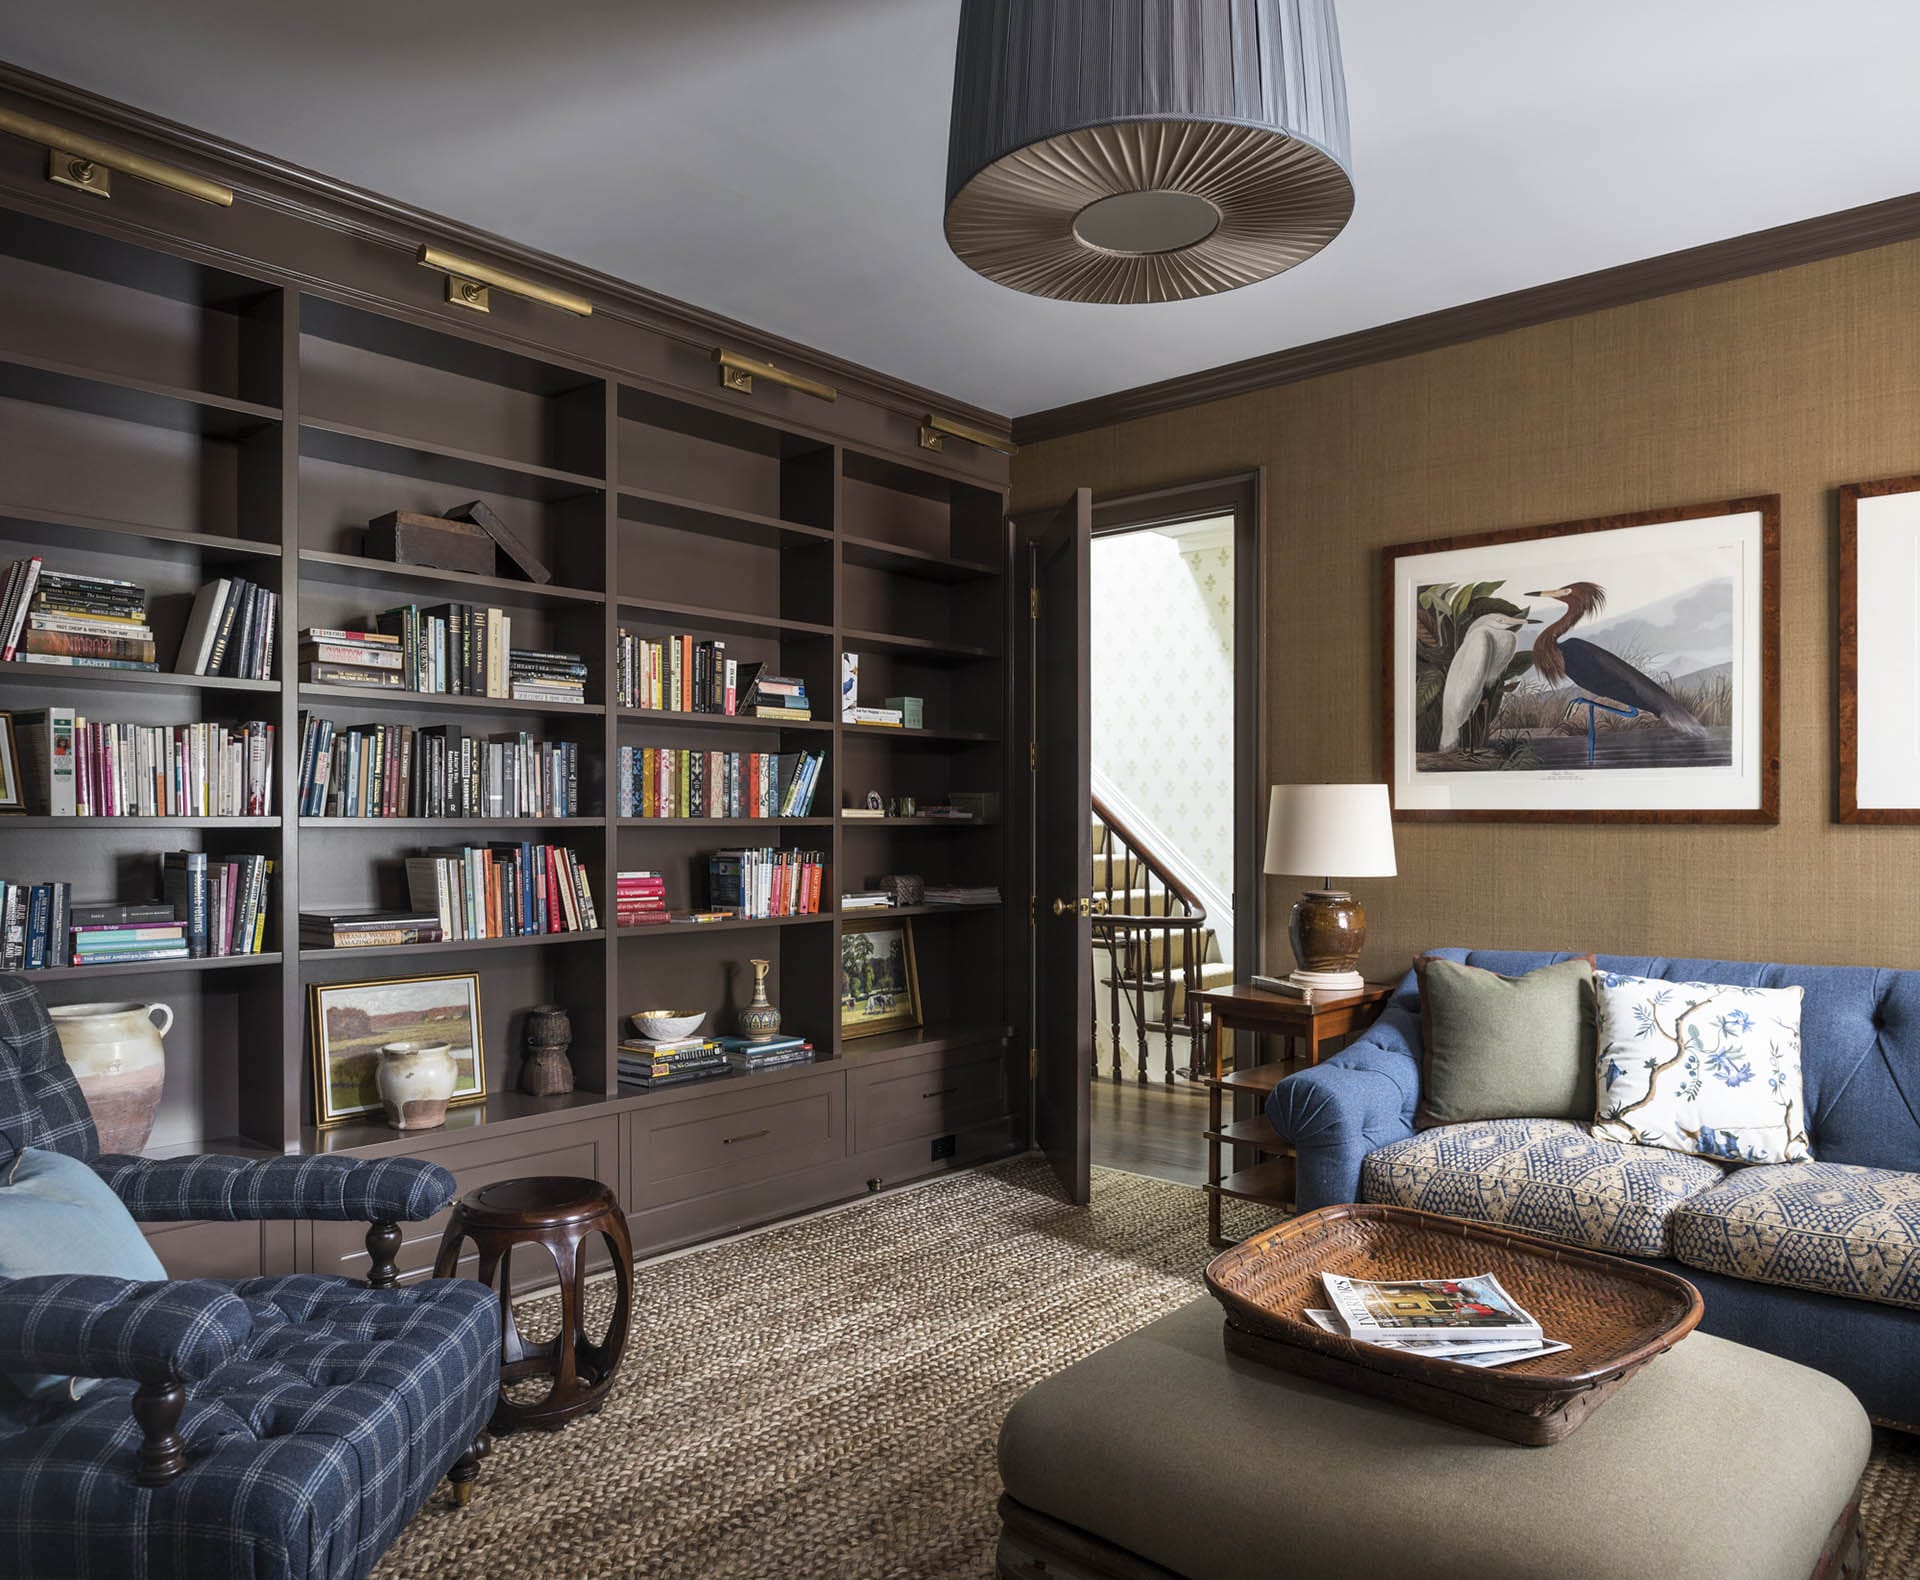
[[58, 1216], [1505, 1047]]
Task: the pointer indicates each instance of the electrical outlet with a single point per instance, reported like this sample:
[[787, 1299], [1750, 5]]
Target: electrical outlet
[[943, 1147]]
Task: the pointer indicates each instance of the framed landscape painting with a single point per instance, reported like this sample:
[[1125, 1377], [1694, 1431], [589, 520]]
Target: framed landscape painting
[[1879, 723], [879, 977], [353, 1020], [1621, 669]]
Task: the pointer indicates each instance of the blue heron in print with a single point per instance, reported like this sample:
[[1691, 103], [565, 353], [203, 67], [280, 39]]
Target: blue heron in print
[[1611, 683]]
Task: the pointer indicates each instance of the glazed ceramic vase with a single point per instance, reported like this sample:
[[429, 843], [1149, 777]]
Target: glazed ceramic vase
[[759, 1021], [415, 1080], [115, 1052], [548, 1071]]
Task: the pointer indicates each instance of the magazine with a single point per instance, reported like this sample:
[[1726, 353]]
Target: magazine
[[1422, 1310], [1469, 1352]]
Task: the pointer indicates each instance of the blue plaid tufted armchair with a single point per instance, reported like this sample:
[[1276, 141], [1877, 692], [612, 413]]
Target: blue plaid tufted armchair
[[265, 1427]]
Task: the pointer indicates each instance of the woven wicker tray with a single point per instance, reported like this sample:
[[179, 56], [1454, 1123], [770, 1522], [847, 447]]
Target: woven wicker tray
[[1615, 1315]]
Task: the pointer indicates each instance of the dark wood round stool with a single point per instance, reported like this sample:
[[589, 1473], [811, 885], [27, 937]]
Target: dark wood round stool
[[562, 1216]]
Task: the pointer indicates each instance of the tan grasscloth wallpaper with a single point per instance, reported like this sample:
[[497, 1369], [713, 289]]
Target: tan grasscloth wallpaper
[[1791, 383]]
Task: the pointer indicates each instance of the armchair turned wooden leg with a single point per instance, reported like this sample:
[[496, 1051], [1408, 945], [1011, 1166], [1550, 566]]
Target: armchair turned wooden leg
[[466, 1468], [383, 1245], [163, 1453]]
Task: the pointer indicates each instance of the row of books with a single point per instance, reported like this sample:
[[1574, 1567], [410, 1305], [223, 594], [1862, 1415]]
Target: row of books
[[437, 771], [673, 781], [451, 649], [220, 901], [646, 1065], [73, 766], [639, 898], [64, 618], [685, 674], [231, 631], [1470, 1320], [766, 882], [503, 890]]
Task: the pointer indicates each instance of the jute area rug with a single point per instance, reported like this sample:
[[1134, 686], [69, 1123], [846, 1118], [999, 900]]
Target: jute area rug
[[821, 1402]]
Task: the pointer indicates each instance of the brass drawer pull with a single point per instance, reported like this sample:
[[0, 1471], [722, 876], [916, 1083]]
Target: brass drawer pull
[[751, 1135], [945, 1091]]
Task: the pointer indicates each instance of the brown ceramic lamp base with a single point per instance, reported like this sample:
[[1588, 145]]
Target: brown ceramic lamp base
[[1328, 929]]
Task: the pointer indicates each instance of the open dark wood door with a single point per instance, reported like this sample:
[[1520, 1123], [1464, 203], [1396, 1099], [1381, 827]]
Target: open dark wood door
[[1057, 550]]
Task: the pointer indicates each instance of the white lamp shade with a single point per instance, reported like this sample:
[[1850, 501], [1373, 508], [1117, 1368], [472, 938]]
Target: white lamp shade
[[1341, 831]]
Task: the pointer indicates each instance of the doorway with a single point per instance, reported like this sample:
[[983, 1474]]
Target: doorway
[[1175, 762]]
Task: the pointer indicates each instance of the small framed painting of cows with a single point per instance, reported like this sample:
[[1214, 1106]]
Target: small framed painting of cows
[[1620, 669]]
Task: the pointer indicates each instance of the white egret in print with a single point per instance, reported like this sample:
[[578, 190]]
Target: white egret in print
[[1482, 659]]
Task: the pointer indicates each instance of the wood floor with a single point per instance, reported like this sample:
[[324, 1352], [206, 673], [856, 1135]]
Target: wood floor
[[1153, 1129]]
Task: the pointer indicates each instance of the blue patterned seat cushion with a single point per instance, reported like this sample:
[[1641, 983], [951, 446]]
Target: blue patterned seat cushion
[[1546, 1176], [1836, 1228], [306, 1452]]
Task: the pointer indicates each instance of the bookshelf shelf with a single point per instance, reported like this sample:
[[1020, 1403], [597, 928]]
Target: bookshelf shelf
[[727, 620], [449, 825], [60, 677], [918, 648], [935, 1037], [439, 702], [136, 968], [732, 925], [664, 823], [59, 529], [373, 450], [665, 717], [101, 824], [51, 383], [901, 736], [877, 554], [356, 571], [456, 946], [719, 521], [971, 907]]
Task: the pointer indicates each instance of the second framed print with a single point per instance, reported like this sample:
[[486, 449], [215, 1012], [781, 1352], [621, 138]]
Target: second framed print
[[1880, 652], [1622, 669]]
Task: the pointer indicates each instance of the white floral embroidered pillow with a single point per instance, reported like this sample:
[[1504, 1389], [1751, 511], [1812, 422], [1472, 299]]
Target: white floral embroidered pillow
[[1701, 1067]]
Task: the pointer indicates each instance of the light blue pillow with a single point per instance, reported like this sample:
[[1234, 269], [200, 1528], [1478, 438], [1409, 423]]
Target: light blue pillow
[[58, 1216]]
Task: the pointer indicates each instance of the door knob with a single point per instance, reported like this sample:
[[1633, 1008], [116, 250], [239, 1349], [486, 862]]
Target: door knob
[[1079, 907]]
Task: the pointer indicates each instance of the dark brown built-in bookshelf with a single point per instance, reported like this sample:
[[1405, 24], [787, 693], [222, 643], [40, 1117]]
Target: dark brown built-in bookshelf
[[172, 414]]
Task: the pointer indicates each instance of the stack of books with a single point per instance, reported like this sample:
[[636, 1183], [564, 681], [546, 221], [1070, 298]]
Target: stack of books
[[766, 882], [640, 899], [331, 657], [748, 1057], [222, 901], [766, 695], [231, 631], [502, 890], [398, 770], [1470, 1320], [963, 894], [678, 674], [367, 929], [108, 944], [537, 676], [79, 622], [73, 766], [667, 781], [866, 900], [891, 718], [645, 1065]]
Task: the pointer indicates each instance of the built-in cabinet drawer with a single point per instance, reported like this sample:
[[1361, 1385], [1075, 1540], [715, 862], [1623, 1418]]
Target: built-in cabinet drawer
[[933, 1094], [586, 1149], [736, 1138]]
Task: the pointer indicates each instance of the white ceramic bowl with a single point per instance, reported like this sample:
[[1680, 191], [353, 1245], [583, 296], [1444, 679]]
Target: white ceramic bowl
[[664, 1025]]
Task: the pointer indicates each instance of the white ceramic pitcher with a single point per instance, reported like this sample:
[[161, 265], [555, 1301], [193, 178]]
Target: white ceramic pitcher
[[116, 1054]]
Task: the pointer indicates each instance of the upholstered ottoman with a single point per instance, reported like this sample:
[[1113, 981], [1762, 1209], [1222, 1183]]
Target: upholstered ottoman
[[1161, 1455]]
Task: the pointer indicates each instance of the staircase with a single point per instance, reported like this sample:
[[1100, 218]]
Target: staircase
[[1152, 949]]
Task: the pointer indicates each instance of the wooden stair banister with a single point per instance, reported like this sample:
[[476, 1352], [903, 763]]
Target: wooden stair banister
[[1124, 932]]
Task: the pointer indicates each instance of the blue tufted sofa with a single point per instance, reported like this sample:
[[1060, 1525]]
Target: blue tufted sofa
[[264, 1427], [1818, 1262]]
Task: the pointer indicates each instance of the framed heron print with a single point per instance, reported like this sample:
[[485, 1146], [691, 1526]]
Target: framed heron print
[[1621, 669], [1880, 652]]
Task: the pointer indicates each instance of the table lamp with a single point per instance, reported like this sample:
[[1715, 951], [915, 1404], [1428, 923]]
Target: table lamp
[[1329, 829]]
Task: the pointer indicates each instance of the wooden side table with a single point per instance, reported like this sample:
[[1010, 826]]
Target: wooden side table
[[561, 1216], [1302, 1026]]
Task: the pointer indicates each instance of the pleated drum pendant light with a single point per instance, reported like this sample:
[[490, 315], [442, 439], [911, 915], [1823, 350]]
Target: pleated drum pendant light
[[1145, 150]]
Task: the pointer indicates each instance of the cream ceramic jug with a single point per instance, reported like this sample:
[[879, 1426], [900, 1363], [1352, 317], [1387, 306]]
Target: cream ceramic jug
[[116, 1054]]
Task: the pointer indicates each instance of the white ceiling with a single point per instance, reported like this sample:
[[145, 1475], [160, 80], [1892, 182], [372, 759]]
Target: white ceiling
[[783, 161]]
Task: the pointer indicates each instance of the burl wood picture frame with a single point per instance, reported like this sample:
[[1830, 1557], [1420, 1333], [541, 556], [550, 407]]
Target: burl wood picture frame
[[1879, 669], [1617, 669]]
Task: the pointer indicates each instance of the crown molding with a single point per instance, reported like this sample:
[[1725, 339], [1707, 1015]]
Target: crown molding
[[1758, 252], [310, 196]]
